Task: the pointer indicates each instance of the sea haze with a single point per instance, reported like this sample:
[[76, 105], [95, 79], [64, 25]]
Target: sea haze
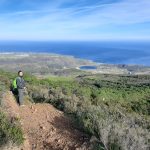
[[102, 52]]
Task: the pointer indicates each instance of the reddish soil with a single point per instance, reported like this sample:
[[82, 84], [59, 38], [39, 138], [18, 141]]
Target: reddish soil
[[45, 127]]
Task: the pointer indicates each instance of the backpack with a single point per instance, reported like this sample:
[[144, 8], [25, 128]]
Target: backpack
[[14, 84], [14, 87]]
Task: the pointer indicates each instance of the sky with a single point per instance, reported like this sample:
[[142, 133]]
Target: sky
[[74, 19]]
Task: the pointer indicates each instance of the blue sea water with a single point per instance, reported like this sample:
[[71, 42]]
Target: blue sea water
[[88, 67], [103, 52]]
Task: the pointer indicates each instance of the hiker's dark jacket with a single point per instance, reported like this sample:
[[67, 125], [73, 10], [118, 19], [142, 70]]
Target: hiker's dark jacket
[[20, 83]]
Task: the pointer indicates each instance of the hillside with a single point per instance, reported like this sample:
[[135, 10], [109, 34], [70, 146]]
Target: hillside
[[44, 127], [113, 110]]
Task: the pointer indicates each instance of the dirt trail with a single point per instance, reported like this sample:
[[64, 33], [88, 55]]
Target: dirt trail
[[45, 127]]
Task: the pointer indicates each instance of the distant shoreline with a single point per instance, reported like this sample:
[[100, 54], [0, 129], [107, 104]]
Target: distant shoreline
[[50, 63], [26, 54]]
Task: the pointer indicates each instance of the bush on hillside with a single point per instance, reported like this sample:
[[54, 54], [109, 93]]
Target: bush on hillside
[[9, 131], [115, 111], [113, 108]]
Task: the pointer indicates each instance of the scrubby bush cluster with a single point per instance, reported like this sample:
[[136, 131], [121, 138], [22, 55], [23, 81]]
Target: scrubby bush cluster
[[113, 108], [10, 131]]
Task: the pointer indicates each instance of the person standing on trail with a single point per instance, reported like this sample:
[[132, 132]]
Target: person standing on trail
[[20, 87]]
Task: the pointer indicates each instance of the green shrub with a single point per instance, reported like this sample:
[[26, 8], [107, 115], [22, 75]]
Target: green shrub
[[113, 108], [9, 131]]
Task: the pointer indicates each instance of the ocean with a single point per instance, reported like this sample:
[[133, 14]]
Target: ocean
[[111, 52]]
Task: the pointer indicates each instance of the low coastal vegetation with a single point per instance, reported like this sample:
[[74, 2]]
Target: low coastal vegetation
[[115, 109], [10, 130]]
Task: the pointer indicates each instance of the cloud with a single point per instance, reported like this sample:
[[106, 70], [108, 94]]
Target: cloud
[[82, 19]]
